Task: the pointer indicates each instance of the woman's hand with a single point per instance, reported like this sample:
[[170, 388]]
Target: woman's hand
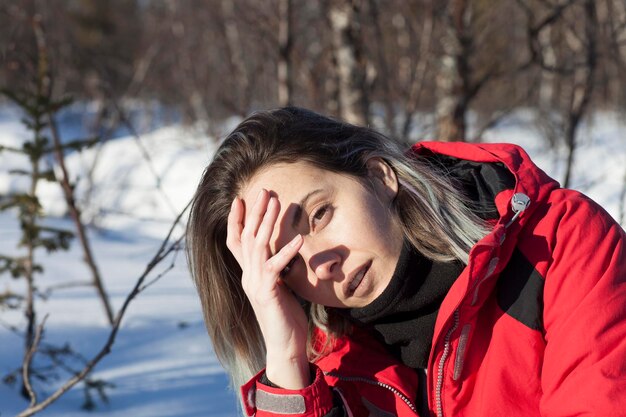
[[281, 318]]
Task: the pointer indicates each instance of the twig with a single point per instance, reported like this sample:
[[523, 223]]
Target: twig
[[533, 43], [126, 122], [12, 328], [496, 118], [28, 360], [70, 199], [63, 285], [176, 247], [47, 349], [135, 216], [163, 251], [11, 149]]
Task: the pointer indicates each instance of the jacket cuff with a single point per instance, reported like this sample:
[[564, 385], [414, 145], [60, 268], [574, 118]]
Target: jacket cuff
[[262, 400]]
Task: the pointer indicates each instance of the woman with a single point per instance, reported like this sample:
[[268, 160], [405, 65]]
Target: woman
[[340, 276]]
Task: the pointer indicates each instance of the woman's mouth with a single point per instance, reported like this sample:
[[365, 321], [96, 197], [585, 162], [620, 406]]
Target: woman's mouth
[[358, 278]]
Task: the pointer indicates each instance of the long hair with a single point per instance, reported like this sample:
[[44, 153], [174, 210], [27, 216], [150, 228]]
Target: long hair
[[434, 216]]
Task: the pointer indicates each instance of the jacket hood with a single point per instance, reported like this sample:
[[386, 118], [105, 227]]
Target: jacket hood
[[497, 171], [517, 177]]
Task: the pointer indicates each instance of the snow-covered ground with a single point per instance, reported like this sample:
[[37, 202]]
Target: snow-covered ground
[[162, 364]]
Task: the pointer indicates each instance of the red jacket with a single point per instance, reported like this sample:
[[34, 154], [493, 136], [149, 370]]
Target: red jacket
[[535, 325]]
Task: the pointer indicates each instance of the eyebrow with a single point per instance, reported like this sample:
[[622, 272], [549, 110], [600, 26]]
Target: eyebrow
[[297, 215]]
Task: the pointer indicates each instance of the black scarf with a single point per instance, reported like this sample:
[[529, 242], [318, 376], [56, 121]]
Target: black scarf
[[403, 316]]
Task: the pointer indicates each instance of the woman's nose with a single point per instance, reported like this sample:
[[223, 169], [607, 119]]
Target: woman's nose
[[323, 258], [326, 265]]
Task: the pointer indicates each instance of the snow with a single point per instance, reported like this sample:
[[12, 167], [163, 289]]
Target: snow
[[162, 363]]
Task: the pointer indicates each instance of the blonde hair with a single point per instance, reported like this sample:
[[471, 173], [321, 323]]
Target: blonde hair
[[435, 217]]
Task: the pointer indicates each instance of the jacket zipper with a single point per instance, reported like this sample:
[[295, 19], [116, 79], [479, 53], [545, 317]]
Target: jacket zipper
[[442, 361], [403, 397], [519, 203]]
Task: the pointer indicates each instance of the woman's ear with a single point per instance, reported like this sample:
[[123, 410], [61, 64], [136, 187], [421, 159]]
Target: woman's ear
[[383, 177]]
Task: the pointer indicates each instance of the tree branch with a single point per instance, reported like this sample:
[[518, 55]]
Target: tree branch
[[28, 358], [68, 192], [495, 119], [123, 118], [164, 250]]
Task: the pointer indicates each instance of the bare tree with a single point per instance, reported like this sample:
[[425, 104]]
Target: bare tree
[[453, 79], [285, 47], [188, 62], [345, 17], [616, 42], [384, 75], [583, 82], [235, 54], [418, 73], [616, 28], [332, 80], [548, 55], [574, 59]]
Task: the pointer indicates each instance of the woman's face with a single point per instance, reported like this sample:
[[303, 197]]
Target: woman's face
[[352, 238]]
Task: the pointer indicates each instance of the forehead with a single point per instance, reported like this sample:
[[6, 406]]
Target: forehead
[[288, 180]]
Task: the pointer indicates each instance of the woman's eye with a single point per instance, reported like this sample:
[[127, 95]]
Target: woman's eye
[[320, 216]]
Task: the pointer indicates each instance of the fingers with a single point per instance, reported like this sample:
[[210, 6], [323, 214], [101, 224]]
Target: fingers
[[234, 228], [254, 219], [249, 238], [266, 228], [279, 261]]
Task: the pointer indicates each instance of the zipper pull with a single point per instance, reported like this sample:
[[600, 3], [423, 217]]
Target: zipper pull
[[519, 203]]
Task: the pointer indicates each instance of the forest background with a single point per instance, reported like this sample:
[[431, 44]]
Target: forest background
[[167, 78]]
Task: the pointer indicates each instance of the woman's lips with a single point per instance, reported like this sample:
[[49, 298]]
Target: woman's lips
[[357, 279]]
